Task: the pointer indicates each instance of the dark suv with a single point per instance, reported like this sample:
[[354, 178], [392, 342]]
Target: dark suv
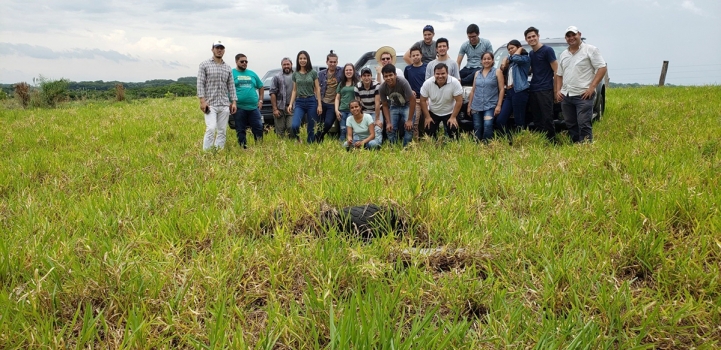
[[559, 45]]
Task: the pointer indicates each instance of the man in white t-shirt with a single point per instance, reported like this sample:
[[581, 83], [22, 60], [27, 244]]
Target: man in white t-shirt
[[580, 69], [445, 95]]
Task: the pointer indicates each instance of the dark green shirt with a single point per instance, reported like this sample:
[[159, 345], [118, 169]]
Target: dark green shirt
[[347, 94], [305, 83]]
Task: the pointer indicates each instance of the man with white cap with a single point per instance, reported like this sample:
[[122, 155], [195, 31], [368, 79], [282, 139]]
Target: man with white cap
[[580, 69], [216, 92]]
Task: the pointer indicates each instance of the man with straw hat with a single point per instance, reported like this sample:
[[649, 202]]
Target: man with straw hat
[[384, 56]]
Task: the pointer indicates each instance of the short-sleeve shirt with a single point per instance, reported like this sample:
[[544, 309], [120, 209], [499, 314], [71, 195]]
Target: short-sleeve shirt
[[428, 52], [541, 68], [347, 94], [247, 84], [362, 129], [331, 89], [452, 68], [367, 96], [305, 83], [579, 69], [473, 54], [415, 76], [442, 99], [397, 96]]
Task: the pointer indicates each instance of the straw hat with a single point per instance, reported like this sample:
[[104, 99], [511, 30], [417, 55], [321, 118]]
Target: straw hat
[[383, 50]]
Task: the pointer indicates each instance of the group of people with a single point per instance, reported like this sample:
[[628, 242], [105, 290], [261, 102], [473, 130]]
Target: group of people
[[404, 104]]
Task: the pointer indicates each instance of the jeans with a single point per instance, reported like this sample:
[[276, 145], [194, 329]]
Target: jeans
[[483, 125], [378, 129], [216, 121], [283, 124], [542, 109], [372, 144], [305, 105], [514, 103], [578, 114], [467, 75], [418, 121], [341, 124], [243, 119], [451, 131], [399, 116], [328, 117]]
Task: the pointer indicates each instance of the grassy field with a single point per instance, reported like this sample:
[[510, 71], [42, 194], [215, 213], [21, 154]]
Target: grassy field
[[119, 232]]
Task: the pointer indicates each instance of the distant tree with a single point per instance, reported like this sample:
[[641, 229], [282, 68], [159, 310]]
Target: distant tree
[[22, 93]]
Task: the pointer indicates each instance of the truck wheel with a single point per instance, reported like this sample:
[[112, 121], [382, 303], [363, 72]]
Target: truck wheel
[[366, 221], [598, 114]]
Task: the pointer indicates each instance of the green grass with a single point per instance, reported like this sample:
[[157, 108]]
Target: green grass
[[119, 232]]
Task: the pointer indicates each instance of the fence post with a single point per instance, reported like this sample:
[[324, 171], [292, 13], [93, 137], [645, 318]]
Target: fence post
[[662, 80]]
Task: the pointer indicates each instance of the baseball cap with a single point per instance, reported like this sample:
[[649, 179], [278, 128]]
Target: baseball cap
[[429, 28], [218, 43], [572, 29], [365, 70]]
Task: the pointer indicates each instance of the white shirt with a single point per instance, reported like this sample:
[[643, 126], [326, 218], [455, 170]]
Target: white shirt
[[579, 69], [441, 99], [510, 77]]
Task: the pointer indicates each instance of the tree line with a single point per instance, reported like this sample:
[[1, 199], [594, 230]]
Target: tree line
[[99, 89]]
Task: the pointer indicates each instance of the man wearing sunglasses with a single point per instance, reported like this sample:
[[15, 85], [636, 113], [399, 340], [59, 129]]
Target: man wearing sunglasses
[[249, 89], [384, 56], [216, 91]]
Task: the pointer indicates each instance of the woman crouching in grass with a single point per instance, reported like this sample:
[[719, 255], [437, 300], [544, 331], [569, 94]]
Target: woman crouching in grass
[[360, 129]]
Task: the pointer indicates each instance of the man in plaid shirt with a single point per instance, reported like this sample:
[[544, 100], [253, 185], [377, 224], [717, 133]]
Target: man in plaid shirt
[[216, 91]]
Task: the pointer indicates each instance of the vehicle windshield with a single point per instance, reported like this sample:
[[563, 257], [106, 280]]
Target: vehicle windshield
[[502, 52], [268, 77]]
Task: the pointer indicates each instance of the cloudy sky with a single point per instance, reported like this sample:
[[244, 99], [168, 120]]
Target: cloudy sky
[[160, 39]]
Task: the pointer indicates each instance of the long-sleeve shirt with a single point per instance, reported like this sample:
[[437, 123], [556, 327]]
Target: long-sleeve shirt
[[215, 83]]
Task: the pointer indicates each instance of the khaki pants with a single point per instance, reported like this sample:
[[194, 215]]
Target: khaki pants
[[417, 123], [283, 124]]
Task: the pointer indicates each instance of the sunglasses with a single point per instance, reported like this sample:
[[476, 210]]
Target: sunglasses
[[243, 61], [385, 59]]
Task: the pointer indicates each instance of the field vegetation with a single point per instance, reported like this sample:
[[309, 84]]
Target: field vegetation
[[117, 231]]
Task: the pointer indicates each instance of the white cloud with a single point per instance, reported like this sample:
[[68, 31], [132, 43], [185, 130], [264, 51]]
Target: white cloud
[[689, 5], [140, 40]]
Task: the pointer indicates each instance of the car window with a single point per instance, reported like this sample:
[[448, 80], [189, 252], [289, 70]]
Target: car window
[[502, 53], [267, 81]]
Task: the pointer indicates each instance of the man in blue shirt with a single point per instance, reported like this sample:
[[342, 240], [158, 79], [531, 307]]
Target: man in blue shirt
[[473, 49], [249, 101], [543, 68], [415, 73]]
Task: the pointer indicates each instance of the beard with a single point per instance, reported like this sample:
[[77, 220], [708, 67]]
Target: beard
[[286, 70], [241, 69]]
